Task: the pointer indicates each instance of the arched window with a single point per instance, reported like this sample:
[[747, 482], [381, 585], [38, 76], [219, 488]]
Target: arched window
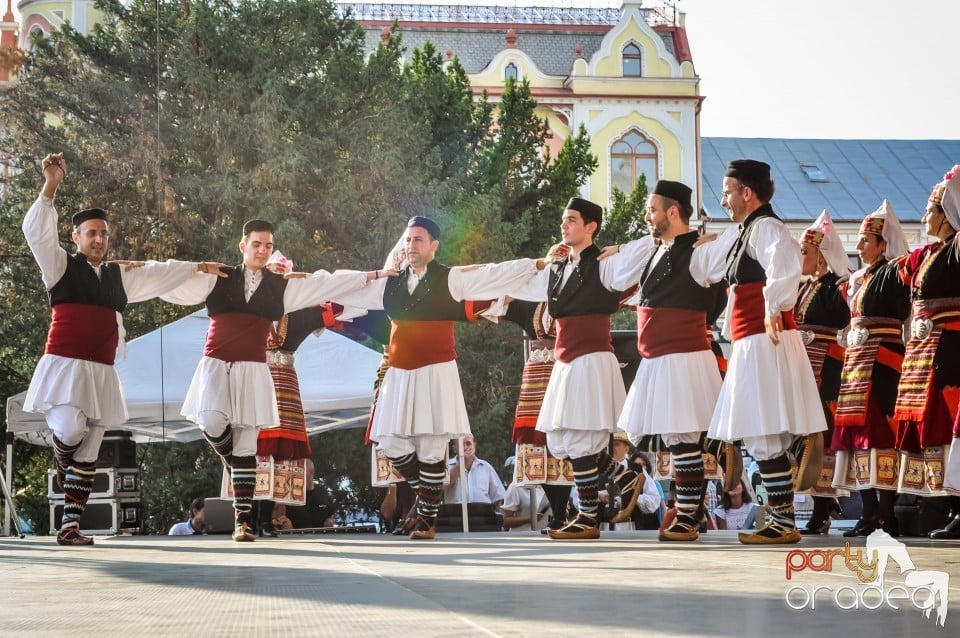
[[632, 61], [511, 72], [631, 156]]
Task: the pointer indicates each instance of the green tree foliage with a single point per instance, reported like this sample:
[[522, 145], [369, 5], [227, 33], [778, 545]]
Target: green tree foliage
[[186, 118]]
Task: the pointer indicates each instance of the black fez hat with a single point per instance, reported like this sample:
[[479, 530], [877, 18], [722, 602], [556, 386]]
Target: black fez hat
[[588, 210], [673, 190], [90, 213], [748, 170], [257, 226], [426, 223]]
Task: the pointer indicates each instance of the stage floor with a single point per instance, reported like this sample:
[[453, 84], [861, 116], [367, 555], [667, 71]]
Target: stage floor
[[480, 584]]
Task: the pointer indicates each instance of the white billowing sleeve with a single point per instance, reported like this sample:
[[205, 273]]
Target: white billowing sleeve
[[156, 278], [708, 264], [492, 280], [496, 311], [40, 230], [536, 288], [194, 290], [369, 297], [649, 499], [321, 286], [624, 269], [779, 254]]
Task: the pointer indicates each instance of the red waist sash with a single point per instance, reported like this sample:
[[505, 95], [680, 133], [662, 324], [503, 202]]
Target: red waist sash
[[83, 331], [415, 344], [237, 336], [662, 331], [749, 311], [577, 336]]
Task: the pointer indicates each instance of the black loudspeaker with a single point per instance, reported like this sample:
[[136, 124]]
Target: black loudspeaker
[[117, 450], [103, 516], [480, 516], [625, 348]]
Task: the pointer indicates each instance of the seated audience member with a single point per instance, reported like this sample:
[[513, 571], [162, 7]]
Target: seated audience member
[[648, 521], [736, 510], [516, 507], [649, 499], [194, 525], [483, 483]]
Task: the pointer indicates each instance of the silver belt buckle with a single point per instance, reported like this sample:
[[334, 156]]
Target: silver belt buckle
[[921, 328], [857, 337], [807, 337]]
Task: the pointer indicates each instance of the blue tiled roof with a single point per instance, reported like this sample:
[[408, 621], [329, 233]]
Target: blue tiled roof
[[859, 174]]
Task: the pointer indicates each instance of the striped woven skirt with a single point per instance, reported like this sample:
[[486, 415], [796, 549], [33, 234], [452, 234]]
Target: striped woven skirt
[[533, 386], [289, 441]]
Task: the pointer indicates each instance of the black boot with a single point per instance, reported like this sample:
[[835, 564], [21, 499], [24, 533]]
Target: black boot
[[819, 522], [952, 528]]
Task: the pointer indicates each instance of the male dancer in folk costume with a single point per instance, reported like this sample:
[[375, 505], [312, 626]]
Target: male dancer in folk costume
[[75, 385], [585, 393], [678, 381], [231, 395], [864, 434], [769, 396], [822, 313], [929, 391], [420, 406]]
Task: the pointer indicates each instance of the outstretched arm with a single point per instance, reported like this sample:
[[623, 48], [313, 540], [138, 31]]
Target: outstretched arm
[[40, 224]]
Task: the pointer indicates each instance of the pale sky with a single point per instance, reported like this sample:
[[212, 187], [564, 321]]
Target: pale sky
[[873, 69]]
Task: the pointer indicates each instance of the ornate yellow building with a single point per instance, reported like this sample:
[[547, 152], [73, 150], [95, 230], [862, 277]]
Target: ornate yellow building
[[626, 74]]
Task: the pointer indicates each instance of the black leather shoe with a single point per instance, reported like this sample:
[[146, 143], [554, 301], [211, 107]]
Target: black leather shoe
[[812, 528], [952, 530], [267, 530], [862, 528]]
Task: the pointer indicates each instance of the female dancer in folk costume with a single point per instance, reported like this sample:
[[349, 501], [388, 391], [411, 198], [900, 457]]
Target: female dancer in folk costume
[[929, 390], [821, 313], [864, 435], [539, 327], [288, 441]]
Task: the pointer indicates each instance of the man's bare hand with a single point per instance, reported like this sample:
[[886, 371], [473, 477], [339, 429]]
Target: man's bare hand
[[380, 274], [295, 275], [606, 251], [773, 324], [54, 171], [128, 264], [212, 268], [705, 239]]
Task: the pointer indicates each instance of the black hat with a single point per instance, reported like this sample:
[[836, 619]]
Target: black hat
[[90, 213], [257, 226], [588, 210], [673, 190], [426, 223], [747, 170]]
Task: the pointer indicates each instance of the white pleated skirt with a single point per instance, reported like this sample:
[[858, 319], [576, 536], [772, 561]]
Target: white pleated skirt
[[242, 390], [672, 394], [768, 390], [92, 387], [423, 401], [585, 394]]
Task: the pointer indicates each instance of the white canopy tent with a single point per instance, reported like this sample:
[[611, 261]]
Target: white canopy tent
[[336, 384], [336, 388]]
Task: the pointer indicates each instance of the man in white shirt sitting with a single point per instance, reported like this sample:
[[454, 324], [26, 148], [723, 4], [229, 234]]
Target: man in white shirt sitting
[[483, 483], [194, 525]]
